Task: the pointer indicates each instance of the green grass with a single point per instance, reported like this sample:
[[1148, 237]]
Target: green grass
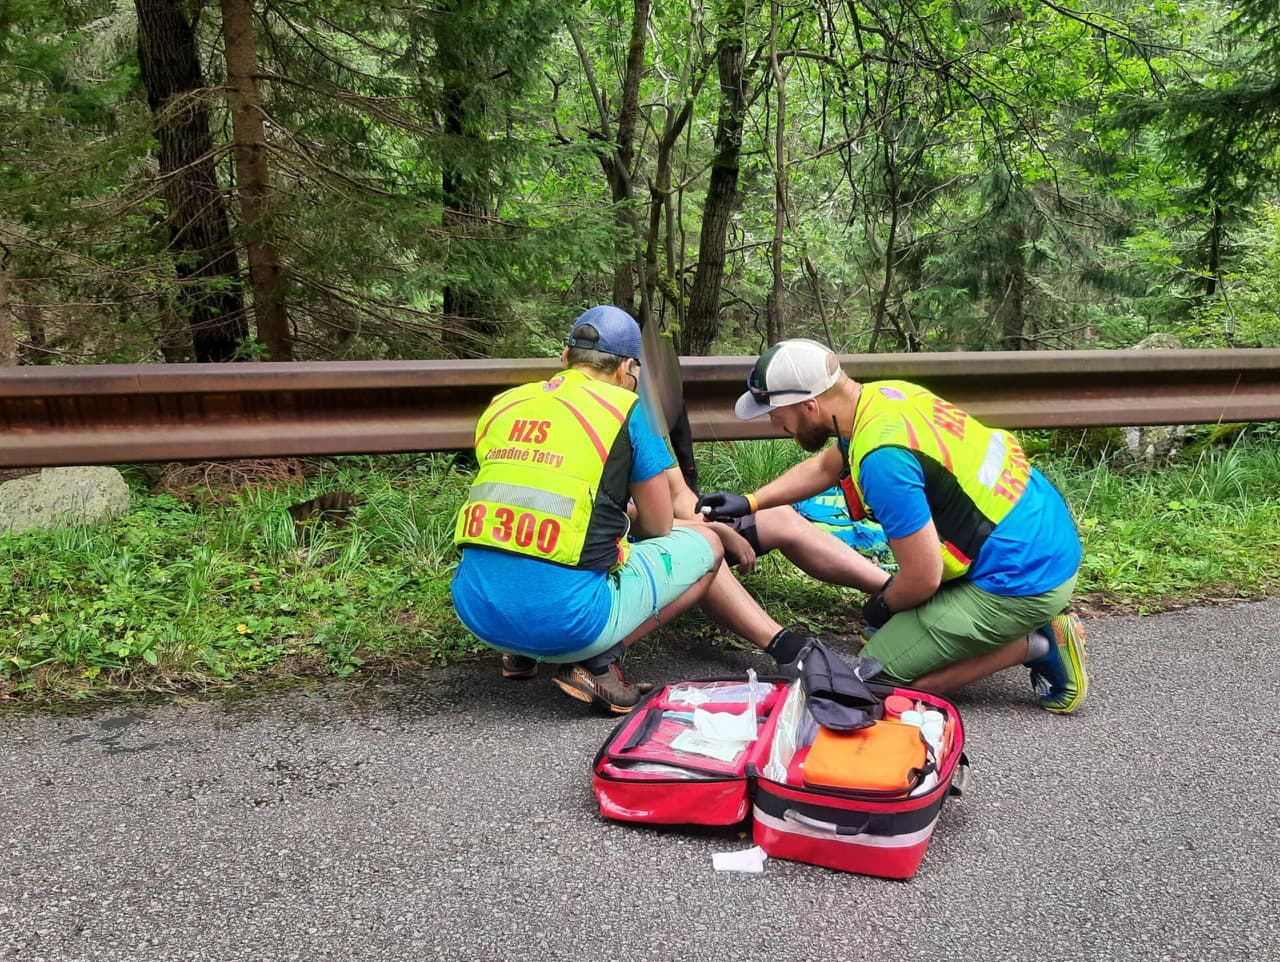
[[1202, 530], [172, 597], [176, 597]]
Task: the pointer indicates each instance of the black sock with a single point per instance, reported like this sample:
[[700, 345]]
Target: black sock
[[785, 645]]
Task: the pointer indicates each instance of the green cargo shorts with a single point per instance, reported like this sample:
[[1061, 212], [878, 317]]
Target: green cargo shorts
[[957, 623]]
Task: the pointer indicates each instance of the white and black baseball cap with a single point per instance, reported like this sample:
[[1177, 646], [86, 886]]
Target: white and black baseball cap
[[788, 373]]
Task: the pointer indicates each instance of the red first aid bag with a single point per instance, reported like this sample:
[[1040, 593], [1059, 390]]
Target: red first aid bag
[[659, 766], [656, 768], [878, 825]]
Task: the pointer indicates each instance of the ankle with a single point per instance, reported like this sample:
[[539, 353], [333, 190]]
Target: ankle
[[1038, 645], [785, 646], [599, 664]]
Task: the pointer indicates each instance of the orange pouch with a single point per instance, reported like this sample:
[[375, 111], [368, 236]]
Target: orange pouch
[[885, 757]]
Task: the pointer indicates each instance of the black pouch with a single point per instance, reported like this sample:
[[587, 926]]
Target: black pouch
[[837, 694]]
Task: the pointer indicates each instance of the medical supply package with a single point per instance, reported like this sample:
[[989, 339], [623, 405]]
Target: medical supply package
[[721, 751]]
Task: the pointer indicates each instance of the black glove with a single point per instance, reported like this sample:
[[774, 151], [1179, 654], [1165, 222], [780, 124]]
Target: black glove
[[723, 505], [875, 612]]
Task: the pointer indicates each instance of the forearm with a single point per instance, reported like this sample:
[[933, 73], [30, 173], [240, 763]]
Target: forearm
[[908, 592], [683, 505], [891, 598], [809, 477], [652, 502], [919, 569]]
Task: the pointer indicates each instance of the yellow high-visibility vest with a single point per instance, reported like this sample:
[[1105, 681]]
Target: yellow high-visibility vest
[[974, 474], [555, 461]]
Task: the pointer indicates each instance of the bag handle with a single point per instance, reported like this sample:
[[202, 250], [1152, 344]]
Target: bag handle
[[791, 815], [960, 777], [644, 731]]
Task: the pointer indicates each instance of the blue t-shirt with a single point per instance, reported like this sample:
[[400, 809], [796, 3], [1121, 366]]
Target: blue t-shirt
[[536, 606], [1032, 550]]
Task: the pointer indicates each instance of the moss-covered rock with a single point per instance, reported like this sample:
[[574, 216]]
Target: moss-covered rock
[[63, 496]]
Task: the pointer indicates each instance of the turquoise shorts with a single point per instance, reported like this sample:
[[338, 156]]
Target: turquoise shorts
[[658, 572]]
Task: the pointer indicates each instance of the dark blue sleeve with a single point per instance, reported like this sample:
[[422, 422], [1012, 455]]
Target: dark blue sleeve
[[893, 484]]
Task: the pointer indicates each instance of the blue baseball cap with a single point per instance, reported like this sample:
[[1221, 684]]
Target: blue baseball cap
[[616, 331]]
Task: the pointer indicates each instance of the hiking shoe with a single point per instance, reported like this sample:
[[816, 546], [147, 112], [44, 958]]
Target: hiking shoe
[[518, 667], [1060, 678], [608, 690]]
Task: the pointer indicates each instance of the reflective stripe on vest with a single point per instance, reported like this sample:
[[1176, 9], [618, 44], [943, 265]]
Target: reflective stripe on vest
[[974, 474], [520, 496], [555, 460]]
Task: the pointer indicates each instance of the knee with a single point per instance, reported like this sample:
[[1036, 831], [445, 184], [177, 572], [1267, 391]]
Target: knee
[[892, 672], [713, 540], [779, 527]]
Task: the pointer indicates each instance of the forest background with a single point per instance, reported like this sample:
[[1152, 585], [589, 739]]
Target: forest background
[[239, 180], [269, 179]]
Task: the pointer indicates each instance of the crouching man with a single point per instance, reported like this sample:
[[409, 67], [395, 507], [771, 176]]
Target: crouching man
[[986, 547], [549, 571]]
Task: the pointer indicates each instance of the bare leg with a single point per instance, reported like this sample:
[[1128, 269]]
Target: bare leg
[[817, 553], [731, 606], [971, 669]]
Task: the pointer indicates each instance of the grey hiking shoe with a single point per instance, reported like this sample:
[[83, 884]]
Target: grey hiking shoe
[[608, 690]]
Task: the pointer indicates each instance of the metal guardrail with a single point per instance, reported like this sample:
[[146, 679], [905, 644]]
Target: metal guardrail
[[119, 414]]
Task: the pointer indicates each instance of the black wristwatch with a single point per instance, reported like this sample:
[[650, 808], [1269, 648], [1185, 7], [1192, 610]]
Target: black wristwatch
[[876, 611]]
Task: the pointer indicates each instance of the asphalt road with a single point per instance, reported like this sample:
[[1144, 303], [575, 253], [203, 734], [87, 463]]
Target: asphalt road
[[449, 815]]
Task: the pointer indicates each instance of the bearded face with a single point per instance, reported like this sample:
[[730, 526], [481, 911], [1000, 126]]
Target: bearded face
[[812, 437], [804, 426]]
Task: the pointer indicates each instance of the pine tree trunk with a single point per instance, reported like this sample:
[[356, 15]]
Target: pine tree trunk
[[253, 183], [702, 321], [200, 238], [880, 316], [466, 204], [1011, 313], [32, 318], [660, 211], [773, 310], [617, 168], [1215, 253], [8, 343]]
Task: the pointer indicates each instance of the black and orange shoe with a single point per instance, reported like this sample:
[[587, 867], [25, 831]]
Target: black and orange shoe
[[518, 667], [607, 690]]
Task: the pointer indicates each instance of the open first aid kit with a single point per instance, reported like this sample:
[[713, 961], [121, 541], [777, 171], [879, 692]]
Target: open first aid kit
[[831, 770]]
